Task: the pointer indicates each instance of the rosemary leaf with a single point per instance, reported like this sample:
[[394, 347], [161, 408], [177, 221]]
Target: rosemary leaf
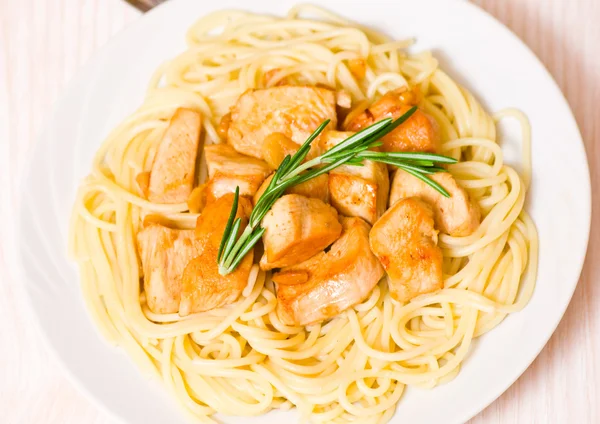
[[358, 138], [305, 148], [249, 244], [234, 232], [389, 128], [227, 232], [410, 156], [426, 180]]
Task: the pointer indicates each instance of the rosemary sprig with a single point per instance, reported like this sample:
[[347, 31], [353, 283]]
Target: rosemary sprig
[[352, 151]]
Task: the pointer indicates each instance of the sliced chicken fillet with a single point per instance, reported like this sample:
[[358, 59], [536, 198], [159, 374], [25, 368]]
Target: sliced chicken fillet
[[173, 170]]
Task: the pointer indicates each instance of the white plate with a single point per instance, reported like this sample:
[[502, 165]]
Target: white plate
[[473, 47]]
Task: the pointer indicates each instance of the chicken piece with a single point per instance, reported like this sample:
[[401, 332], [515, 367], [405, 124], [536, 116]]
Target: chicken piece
[[358, 68], [223, 127], [456, 215], [203, 288], [164, 253], [162, 220], [276, 146], [329, 282], [316, 188], [405, 242], [228, 169], [297, 228], [292, 110], [197, 199], [173, 171], [357, 190], [420, 133], [410, 97]]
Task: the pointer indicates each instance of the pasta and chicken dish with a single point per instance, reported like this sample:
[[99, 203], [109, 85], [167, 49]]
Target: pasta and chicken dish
[[302, 214]]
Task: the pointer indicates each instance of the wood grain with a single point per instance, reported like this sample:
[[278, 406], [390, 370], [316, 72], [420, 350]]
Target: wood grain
[[43, 42]]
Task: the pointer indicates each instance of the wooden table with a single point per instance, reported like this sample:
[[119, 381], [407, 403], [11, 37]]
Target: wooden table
[[43, 42]]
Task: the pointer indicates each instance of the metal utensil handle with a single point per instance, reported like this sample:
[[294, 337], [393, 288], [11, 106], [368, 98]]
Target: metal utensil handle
[[144, 5]]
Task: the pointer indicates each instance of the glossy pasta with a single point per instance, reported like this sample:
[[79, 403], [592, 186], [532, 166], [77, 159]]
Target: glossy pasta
[[240, 359]]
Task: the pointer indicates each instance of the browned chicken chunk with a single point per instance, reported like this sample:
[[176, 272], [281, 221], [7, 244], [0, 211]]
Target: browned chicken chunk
[[228, 169], [405, 242], [316, 188], [297, 228], [357, 190], [291, 110], [276, 146], [173, 171], [329, 282], [456, 215], [420, 133], [165, 252], [203, 288]]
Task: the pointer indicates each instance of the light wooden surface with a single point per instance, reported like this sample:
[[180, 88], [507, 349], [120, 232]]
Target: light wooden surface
[[43, 42]]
